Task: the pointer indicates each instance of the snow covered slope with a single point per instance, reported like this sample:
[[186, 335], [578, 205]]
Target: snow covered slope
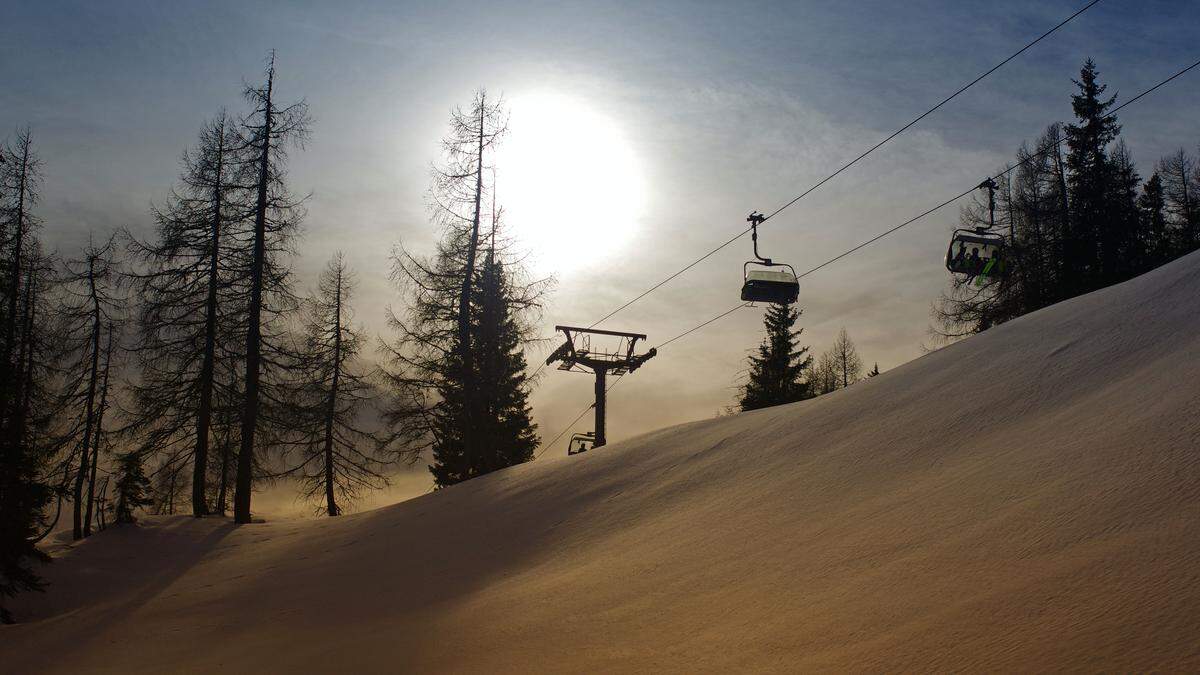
[[1027, 498]]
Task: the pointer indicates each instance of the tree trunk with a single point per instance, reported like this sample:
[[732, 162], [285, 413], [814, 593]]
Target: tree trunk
[[331, 504], [87, 520], [14, 277], [77, 531], [204, 413], [244, 482], [464, 301], [223, 489]]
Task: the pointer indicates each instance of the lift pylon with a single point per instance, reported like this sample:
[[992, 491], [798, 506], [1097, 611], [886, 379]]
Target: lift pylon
[[579, 355]]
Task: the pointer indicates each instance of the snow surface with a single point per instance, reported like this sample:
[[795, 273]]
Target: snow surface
[[1025, 499]]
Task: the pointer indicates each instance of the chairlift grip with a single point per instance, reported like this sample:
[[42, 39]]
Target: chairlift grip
[[755, 218]]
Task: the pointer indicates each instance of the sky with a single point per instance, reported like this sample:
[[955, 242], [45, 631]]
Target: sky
[[642, 134]]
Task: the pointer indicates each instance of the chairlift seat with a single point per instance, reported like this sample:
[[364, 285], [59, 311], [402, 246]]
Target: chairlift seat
[[766, 285], [579, 443], [972, 252]]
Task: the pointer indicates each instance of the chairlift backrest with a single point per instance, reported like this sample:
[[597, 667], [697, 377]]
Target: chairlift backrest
[[776, 284], [580, 443]]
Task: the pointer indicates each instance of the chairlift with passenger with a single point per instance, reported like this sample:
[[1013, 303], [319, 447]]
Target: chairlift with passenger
[[580, 443], [776, 283], [976, 253]]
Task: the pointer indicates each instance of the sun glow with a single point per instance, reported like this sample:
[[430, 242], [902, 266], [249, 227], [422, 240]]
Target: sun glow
[[569, 182]]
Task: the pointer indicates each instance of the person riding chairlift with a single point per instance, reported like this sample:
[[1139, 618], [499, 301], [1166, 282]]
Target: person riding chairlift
[[959, 254], [976, 263]]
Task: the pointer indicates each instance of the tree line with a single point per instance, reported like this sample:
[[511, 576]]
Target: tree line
[[182, 370]]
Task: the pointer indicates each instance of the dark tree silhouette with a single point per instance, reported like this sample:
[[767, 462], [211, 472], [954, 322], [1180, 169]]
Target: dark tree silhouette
[[779, 367], [1122, 251], [1181, 190], [99, 435], [1090, 247], [848, 366], [824, 376], [88, 306], [25, 413], [1152, 209], [459, 189], [462, 397], [337, 458], [500, 330], [132, 487], [838, 367], [270, 129], [457, 197], [188, 311]]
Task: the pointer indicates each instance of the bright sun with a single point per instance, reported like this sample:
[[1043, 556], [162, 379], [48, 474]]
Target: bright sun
[[568, 181]]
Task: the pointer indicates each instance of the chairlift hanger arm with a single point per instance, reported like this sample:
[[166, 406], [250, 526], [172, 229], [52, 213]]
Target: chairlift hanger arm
[[755, 219]]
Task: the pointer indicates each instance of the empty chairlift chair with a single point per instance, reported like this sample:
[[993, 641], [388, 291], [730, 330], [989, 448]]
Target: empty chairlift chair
[[767, 281], [765, 285]]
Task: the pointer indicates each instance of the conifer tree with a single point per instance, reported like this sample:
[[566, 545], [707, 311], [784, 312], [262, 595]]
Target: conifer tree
[[461, 394], [458, 198], [1091, 248], [779, 367], [132, 487], [507, 432], [430, 388]]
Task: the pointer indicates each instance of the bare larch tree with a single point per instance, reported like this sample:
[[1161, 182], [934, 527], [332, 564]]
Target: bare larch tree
[[336, 456], [88, 305], [270, 129], [186, 308]]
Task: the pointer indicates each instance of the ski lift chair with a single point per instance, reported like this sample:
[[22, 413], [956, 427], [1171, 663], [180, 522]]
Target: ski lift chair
[[976, 253], [770, 281], [767, 285], [579, 442]]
